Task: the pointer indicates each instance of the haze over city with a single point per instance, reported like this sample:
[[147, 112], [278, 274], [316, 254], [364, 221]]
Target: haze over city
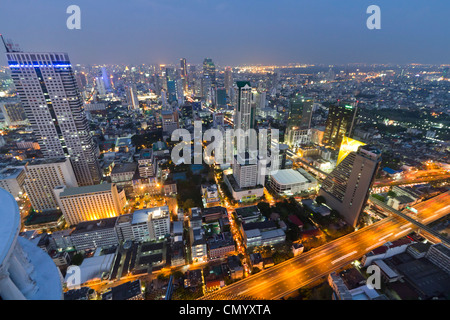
[[124, 176], [233, 32]]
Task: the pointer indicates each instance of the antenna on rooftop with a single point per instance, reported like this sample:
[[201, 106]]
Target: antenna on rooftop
[[4, 43], [9, 45]]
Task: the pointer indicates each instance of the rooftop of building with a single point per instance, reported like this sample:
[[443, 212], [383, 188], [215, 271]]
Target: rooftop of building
[[241, 84], [442, 248], [249, 211], [252, 233], [214, 210], [222, 240], [77, 294], [352, 278], [95, 225], [74, 191], [288, 176], [10, 173], [429, 279], [125, 218], [38, 162], [124, 167], [141, 216], [270, 234], [263, 225], [420, 247]]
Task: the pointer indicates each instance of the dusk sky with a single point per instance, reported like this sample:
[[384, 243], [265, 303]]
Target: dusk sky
[[232, 32]]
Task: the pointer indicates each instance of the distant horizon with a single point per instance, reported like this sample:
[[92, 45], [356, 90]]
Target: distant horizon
[[257, 32]]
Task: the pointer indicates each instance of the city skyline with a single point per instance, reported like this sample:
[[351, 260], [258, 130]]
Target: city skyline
[[224, 150], [153, 32]]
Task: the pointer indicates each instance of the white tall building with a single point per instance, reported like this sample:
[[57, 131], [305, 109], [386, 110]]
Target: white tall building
[[132, 98], [101, 89], [48, 91], [90, 202], [26, 271], [42, 176], [12, 180]]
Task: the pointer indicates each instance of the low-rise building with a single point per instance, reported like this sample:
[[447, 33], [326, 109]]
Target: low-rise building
[[290, 182], [127, 291], [122, 174], [220, 245], [214, 213], [94, 234], [210, 195], [248, 214]]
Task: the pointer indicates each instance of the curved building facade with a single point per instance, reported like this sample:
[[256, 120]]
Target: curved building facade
[[26, 271]]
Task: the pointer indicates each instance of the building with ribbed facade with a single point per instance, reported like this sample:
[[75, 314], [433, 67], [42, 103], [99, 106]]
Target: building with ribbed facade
[[90, 202], [42, 176], [341, 121], [53, 104], [12, 180], [347, 187]]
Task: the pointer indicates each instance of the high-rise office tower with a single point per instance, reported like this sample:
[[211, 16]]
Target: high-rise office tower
[[106, 80], [48, 91], [171, 91], [341, 122], [209, 78], [132, 98], [221, 97], [184, 73], [244, 113], [101, 89], [347, 187], [300, 113], [165, 106], [187, 115], [228, 79], [209, 70], [81, 79]]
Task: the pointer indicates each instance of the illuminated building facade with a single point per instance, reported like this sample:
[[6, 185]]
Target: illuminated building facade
[[42, 176], [48, 91], [348, 145], [341, 122], [90, 202], [347, 187]]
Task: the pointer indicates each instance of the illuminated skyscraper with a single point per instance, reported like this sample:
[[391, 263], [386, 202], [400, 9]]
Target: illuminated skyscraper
[[48, 91], [347, 187], [341, 122], [228, 81], [209, 78], [132, 98], [245, 111], [300, 113], [184, 74]]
